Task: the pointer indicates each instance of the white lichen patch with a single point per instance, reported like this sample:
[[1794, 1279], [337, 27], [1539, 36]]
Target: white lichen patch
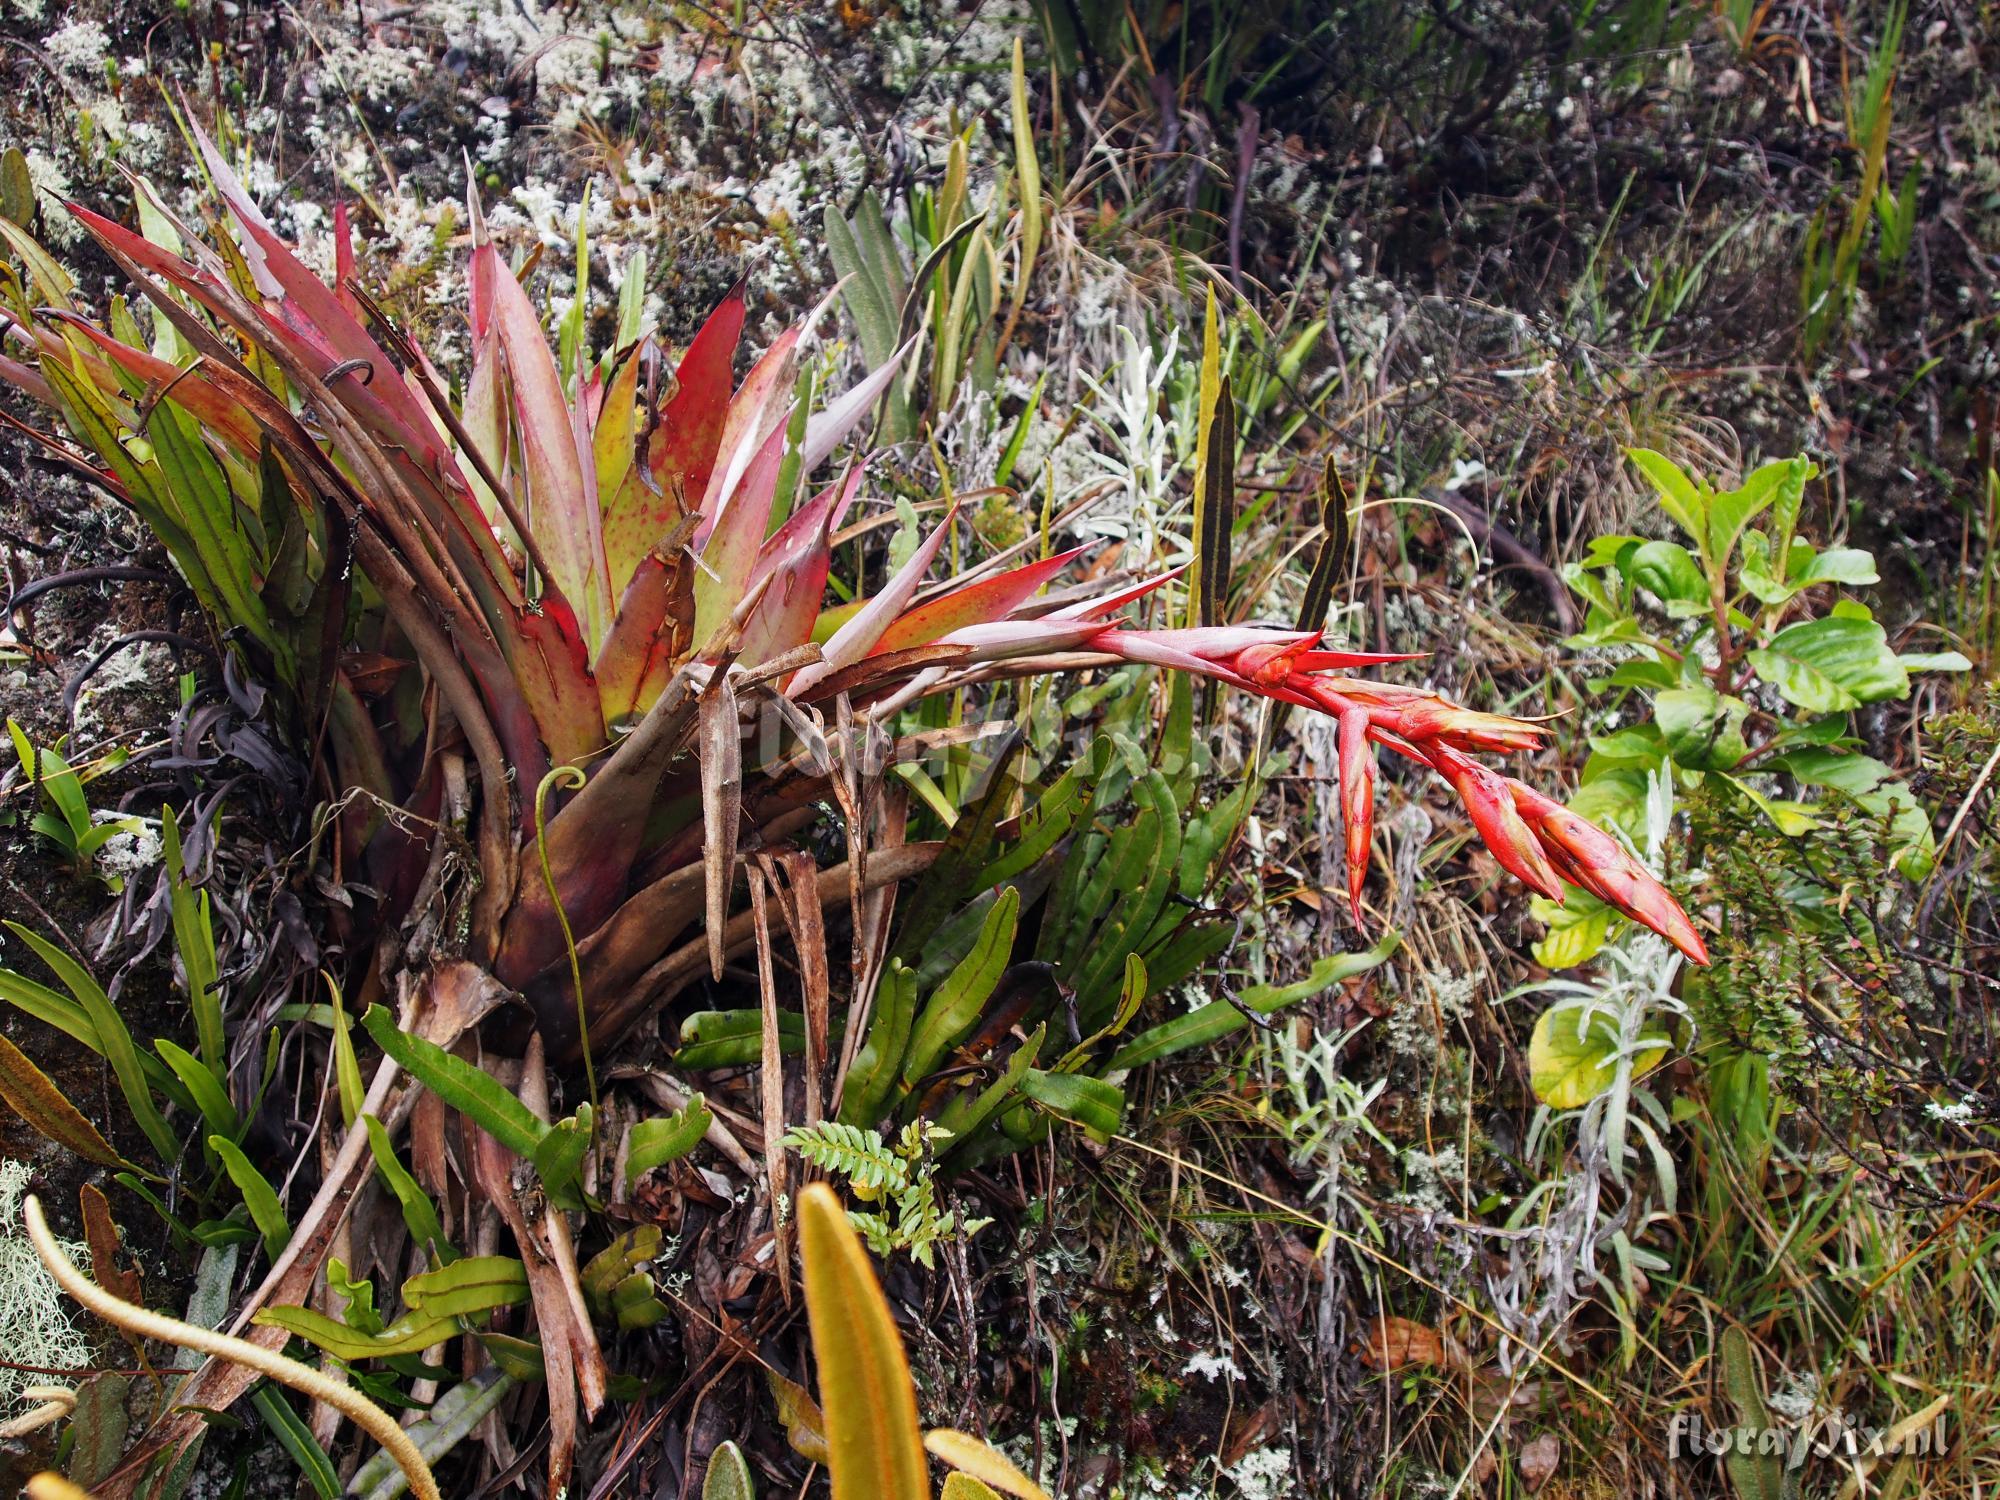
[[37, 1326]]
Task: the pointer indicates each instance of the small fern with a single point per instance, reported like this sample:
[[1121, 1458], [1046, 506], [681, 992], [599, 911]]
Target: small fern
[[899, 1177]]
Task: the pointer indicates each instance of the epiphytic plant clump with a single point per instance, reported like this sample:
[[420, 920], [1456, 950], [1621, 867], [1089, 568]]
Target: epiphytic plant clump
[[522, 626]]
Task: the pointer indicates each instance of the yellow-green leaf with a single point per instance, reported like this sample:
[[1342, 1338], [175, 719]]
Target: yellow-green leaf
[[1567, 1068], [874, 1448], [982, 1462], [728, 1476]]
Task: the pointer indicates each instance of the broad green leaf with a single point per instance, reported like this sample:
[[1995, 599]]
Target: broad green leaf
[[437, 1301], [467, 1089], [1679, 496], [1701, 728], [654, 1143], [1853, 774], [875, 1450], [1849, 565], [1934, 661], [1668, 571], [412, 1333], [1789, 818], [559, 1156], [1642, 744], [266, 1212], [732, 1038], [471, 1284], [1832, 664], [420, 1215], [1730, 512], [1567, 1069], [1098, 1106]]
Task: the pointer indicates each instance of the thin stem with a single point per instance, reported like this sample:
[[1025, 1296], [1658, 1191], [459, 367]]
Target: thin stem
[[132, 1318], [572, 777]]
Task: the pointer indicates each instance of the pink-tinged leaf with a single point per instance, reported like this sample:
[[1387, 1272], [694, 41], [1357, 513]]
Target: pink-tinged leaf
[[343, 259], [824, 431], [796, 559], [1078, 626], [229, 419], [1154, 649], [1357, 801], [729, 554], [21, 378], [759, 408], [1223, 643], [858, 636], [979, 603], [562, 502], [315, 315]]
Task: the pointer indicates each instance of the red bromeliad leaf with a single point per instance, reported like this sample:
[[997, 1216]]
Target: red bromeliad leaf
[[653, 631], [796, 559], [343, 260], [858, 636], [562, 496], [729, 556], [680, 455], [979, 603], [759, 408], [227, 418], [311, 310]]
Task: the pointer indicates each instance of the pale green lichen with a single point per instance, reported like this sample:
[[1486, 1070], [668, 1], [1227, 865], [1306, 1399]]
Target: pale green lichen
[[36, 1323]]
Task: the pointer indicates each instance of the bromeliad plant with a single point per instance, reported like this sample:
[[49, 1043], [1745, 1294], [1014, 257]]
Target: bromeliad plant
[[589, 576], [538, 610]]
